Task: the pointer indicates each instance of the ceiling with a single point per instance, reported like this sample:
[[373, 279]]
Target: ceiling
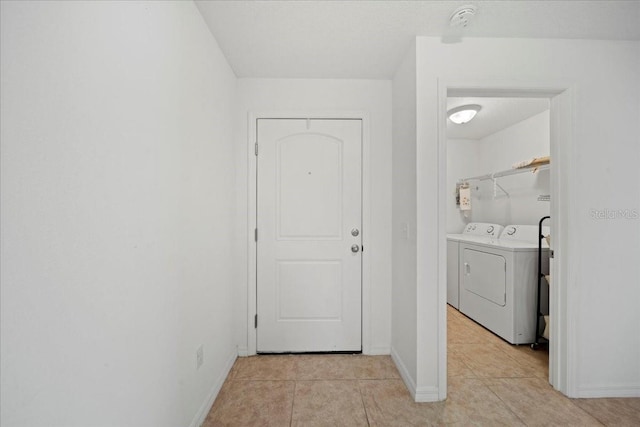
[[367, 39], [496, 114]]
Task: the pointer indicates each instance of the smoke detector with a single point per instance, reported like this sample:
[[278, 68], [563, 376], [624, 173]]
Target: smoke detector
[[462, 16]]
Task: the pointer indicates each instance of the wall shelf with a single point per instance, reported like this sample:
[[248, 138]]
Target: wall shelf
[[493, 176]]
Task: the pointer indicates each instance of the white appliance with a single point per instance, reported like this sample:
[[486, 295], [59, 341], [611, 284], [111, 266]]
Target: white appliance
[[474, 231], [498, 282]]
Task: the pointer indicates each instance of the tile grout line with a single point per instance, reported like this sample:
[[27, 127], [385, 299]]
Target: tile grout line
[[494, 393], [296, 363], [366, 413], [513, 358], [500, 348], [358, 381], [293, 400], [482, 380], [586, 412], [505, 404]]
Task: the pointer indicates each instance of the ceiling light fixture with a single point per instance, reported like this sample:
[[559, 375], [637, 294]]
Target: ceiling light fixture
[[463, 114]]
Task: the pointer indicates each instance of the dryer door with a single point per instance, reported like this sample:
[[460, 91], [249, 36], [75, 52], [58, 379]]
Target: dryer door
[[485, 275]]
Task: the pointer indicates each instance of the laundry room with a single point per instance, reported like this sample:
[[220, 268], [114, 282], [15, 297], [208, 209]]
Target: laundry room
[[504, 133], [498, 207]]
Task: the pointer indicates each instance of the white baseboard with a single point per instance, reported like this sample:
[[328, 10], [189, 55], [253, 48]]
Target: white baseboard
[[419, 394], [404, 373], [243, 352], [201, 415], [625, 390], [379, 351], [427, 394]]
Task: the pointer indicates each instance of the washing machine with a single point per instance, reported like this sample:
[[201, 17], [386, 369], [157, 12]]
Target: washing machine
[[474, 231], [498, 282]]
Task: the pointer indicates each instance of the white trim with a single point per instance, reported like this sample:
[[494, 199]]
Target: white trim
[[427, 394], [563, 361], [251, 224], [366, 215], [419, 394], [243, 352], [442, 242], [379, 351], [206, 406], [622, 390], [404, 373]]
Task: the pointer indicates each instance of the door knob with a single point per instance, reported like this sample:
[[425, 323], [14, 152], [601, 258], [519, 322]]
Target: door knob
[[355, 232], [355, 248]]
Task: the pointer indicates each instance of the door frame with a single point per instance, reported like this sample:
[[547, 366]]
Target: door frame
[[564, 293], [252, 278]]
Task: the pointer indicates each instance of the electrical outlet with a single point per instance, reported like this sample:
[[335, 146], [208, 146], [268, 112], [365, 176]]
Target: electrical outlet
[[199, 357]]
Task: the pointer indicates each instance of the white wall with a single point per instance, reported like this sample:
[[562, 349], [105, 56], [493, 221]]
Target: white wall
[[463, 160], [604, 175], [302, 96], [404, 316], [117, 182], [497, 152]]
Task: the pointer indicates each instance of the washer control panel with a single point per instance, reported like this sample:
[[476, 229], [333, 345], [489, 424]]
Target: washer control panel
[[483, 229]]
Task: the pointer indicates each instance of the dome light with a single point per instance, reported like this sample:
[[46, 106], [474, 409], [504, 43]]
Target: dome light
[[463, 114]]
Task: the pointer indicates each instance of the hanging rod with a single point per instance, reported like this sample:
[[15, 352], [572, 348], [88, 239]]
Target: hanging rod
[[506, 173]]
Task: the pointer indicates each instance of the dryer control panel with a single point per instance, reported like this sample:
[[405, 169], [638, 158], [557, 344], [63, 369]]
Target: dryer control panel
[[523, 233]]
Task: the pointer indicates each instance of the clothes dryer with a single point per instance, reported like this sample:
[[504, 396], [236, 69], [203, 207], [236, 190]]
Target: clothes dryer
[[474, 231], [498, 282]]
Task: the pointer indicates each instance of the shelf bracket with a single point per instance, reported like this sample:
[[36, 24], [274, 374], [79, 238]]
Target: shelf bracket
[[496, 186]]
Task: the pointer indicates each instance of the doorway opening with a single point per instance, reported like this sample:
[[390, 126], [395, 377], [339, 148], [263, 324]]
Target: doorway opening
[[499, 189], [497, 198]]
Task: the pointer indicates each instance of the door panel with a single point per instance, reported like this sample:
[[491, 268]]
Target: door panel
[[309, 200], [309, 169], [309, 290]]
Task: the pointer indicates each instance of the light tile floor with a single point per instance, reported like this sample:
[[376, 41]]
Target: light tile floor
[[490, 383]]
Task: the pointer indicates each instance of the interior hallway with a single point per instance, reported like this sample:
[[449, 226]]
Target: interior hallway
[[490, 383]]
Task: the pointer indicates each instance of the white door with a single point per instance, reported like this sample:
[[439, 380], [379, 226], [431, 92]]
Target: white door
[[309, 235]]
